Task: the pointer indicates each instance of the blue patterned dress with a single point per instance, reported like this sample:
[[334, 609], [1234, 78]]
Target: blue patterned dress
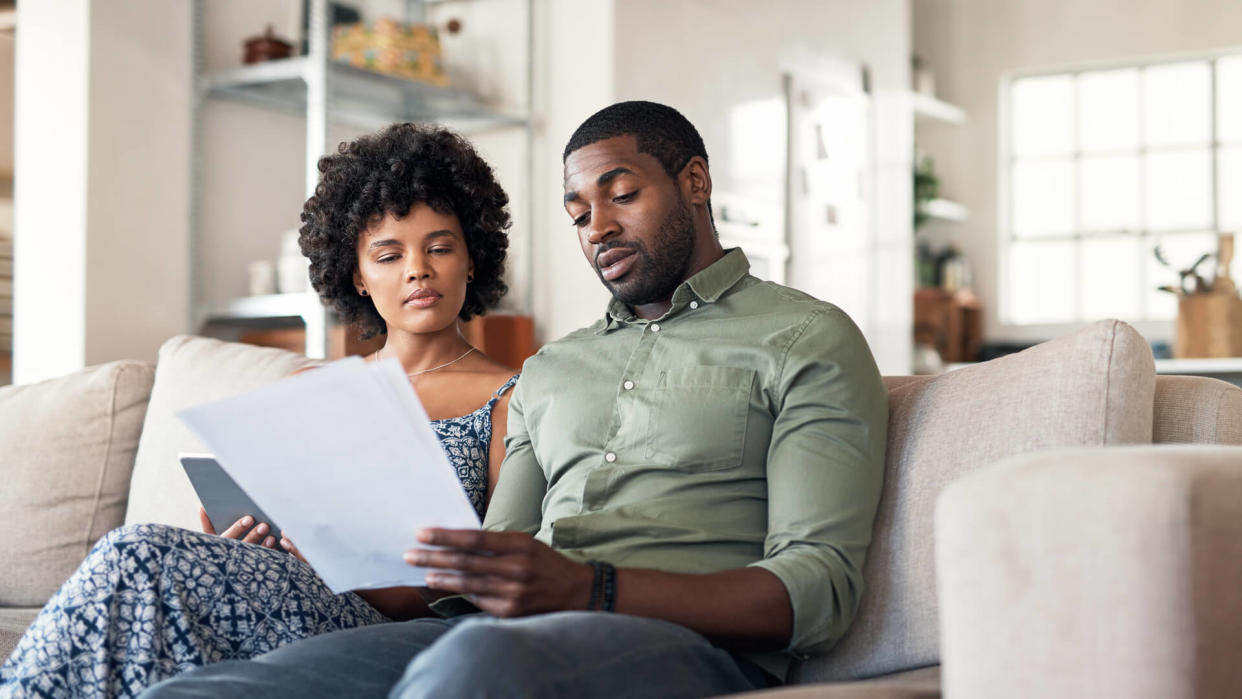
[[151, 601]]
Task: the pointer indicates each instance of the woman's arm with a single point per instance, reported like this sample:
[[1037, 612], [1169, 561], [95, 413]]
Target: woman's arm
[[396, 603]]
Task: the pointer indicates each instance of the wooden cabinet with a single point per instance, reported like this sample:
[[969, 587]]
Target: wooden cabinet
[[952, 322], [508, 339]]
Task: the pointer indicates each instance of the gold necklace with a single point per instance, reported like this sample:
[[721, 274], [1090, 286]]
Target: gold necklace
[[434, 368]]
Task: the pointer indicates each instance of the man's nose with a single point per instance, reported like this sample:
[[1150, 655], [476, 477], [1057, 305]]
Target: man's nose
[[601, 228]]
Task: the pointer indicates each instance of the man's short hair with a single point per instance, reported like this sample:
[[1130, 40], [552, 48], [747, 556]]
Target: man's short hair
[[661, 132]]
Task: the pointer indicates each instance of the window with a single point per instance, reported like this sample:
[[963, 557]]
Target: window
[[1100, 167]]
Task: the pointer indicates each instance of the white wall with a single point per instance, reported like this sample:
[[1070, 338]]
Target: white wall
[[576, 69], [50, 157], [138, 178], [102, 144], [7, 51], [710, 59], [971, 44]]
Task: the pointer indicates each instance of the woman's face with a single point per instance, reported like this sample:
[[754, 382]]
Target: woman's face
[[415, 269]]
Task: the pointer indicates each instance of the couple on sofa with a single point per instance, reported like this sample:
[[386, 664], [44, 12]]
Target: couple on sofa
[[687, 490]]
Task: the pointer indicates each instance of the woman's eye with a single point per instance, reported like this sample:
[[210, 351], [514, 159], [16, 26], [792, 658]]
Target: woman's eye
[[440, 251], [388, 258]]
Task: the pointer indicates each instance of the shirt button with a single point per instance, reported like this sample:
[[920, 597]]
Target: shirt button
[[694, 305], [610, 457], [655, 327], [628, 385]]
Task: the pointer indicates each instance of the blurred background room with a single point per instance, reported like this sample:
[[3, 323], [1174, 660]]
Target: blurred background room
[[965, 178]]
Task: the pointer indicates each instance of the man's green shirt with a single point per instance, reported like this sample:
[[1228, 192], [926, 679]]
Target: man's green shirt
[[745, 427]]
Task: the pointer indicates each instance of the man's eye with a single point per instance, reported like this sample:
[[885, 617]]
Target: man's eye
[[622, 198], [582, 220]]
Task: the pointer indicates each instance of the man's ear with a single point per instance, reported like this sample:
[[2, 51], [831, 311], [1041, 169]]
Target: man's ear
[[696, 181]]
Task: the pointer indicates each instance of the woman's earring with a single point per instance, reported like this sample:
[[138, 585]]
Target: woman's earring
[[362, 292], [469, 278]]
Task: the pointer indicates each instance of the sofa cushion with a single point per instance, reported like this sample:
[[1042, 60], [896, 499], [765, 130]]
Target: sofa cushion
[[1092, 388], [923, 683], [13, 623], [66, 451], [192, 370], [1197, 410], [1094, 573]]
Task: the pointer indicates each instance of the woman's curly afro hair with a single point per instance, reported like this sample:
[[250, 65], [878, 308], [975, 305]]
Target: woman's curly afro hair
[[387, 173]]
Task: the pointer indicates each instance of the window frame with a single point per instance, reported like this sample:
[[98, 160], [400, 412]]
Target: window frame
[[1006, 235]]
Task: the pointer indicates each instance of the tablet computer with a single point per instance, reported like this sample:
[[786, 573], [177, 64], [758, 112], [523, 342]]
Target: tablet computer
[[224, 501]]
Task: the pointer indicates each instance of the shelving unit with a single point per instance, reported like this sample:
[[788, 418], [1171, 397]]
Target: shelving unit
[[358, 97], [328, 92], [945, 210], [928, 108], [949, 320], [931, 111]]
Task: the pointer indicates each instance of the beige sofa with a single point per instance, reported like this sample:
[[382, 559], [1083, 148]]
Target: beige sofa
[[1072, 556]]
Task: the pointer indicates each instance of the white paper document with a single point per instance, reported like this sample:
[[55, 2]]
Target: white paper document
[[345, 459]]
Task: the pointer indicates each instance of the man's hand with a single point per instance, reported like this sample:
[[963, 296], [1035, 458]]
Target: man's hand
[[507, 574]]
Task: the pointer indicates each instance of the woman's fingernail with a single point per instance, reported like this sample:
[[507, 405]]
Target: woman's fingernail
[[284, 543], [262, 528], [247, 521]]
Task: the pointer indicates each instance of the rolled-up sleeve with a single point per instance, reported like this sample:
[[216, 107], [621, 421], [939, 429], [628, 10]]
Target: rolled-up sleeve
[[825, 469], [517, 501]]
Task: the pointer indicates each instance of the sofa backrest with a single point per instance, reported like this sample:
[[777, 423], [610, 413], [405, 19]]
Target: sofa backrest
[[1196, 410], [66, 450], [1092, 388], [192, 370]]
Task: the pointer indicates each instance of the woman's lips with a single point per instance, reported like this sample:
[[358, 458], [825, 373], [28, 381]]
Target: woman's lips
[[614, 263], [423, 298]]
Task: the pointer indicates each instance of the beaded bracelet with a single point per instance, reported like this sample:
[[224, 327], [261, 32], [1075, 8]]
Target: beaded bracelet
[[603, 587]]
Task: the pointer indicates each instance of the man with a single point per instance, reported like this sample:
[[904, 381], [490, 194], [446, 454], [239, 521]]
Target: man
[[705, 461]]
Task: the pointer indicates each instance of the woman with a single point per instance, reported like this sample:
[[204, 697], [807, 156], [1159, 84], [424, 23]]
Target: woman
[[406, 236]]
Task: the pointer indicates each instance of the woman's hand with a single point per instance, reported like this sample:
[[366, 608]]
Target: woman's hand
[[507, 574], [242, 530], [287, 545]]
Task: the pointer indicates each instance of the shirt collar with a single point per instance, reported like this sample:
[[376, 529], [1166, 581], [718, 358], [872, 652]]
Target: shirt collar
[[707, 286]]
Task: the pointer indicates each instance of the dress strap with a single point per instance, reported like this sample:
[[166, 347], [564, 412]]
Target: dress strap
[[501, 391]]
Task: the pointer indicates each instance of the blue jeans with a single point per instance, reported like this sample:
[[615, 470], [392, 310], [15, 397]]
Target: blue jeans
[[553, 655]]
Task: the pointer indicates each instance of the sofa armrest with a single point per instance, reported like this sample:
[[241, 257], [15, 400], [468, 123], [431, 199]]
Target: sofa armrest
[[1094, 572]]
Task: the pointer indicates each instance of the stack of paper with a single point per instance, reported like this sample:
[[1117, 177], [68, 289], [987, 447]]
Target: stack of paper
[[344, 458]]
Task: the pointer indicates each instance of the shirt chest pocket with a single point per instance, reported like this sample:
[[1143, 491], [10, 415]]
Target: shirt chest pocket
[[697, 419]]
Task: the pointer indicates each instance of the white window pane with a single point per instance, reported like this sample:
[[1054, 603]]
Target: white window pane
[[1108, 109], [1229, 184], [1181, 251], [1111, 278], [1041, 287], [1177, 100], [1110, 194], [1178, 190], [1043, 197], [1043, 115], [1229, 99]]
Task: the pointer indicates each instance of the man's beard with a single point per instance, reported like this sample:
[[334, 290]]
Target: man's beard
[[657, 273]]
